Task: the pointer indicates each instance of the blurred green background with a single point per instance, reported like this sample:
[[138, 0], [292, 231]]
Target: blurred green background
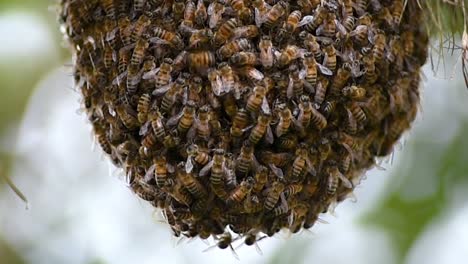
[[414, 206]]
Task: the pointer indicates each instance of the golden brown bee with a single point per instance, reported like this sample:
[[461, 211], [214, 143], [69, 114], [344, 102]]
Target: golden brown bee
[[125, 30], [230, 105], [178, 192], [143, 108], [321, 90], [155, 119], [217, 167], [232, 47], [178, 8], [200, 13], [199, 156], [167, 36], [292, 21], [144, 191], [311, 44], [127, 115], [201, 61], [239, 123], [252, 204], [200, 38], [227, 77], [261, 8], [170, 94], [370, 74], [185, 119], [302, 164], [329, 60], [190, 182], [397, 12], [215, 12], [140, 26], [243, 12], [244, 58], [124, 58], [261, 129], [109, 56], [138, 5], [305, 111], [214, 76], [351, 124], [292, 189], [285, 120], [354, 92], [334, 177], [251, 73], [273, 195], [225, 241], [102, 139], [342, 76], [238, 194], [224, 32], [312, 22], [288, 142], [379, 46], [408, 42], [160, 170], [261, 178], [265, 46], [163, 76], [328, 27], [296, 82], [273, 16], [289, 54], [257, 100], [189, 13], [248, 32], [246, 158], [357, 111]]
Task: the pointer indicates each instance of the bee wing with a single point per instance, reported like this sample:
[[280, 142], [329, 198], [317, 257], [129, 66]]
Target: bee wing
[[277, 171], [217, 86], [269, 135], [204, 171], [306, 20], [310, 167], [145, 128], [289, 90], [189, 165], [150, 74], [297, 125], [119, 78], [247, 128], [162, 90], [266, 106], [340, 27], [150, 173], [158, 41], [324, 70], [346, 182], [192, 132], [173, 120], [258, 18]]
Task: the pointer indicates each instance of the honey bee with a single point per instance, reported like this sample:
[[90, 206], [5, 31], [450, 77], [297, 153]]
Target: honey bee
[[109, 56], [239, 123], [262, 129], [138, 5], [232, 47], [334, 178], [265, 46], [215, 12], [328, 27], [273, 195], [160, 170], [305, 111], [170, 94], [227, 77], [288, 142], [252, 204], [354, 92], [370, 74], [167, 36], [342, 76], [321, 90], [351, 124], [230, 105], [282, 208], [273, 16], [360, 35], [199, 156], [178, 8], [124, 58], [140, 26], [200, 13], [302, 163], [143, 191], [243, 12], [190, 182], [179, 61], [311, 44], [200, 61], [225, 241], [261, 9], [246, 158], [408, 43], [155, 119], [143, 108], [257, 100], [127, 115], [357, 111], [285, 120], [163, 76], [261, 178], [244, 58], [310, 23], [248, 32], [292, 189], [179, 193], [296, 82], [200, 38], [224, 32], [329, 60], [214, 77], [251, 73], [292, 21], [397, 12], [379, 46], [238, 194], [289, 54], [189, 13], [125, 30], [217, 166], [185, 119], [102, 139]]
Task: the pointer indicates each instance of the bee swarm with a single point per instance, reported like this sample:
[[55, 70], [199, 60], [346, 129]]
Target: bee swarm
[[253, 115]]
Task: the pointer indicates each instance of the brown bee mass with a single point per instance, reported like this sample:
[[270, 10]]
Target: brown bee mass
[[253, 115]]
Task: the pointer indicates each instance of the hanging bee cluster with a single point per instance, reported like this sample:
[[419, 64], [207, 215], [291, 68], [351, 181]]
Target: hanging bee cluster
[[253, 115]]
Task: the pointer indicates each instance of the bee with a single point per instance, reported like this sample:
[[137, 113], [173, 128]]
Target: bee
[[124, 58], [185, 119], [282, 208], [329, 60], [179, 61], [361, 6], [143, 191], [243, 12], [342, 76], [397, 12], [251, 73], [257, 99], [216, 82], [232, 47], [167, 36], [262, 129], [170, 94], [408, 43], [163, 76], [252, 204], [109, 56], [370, 74], [155, 120], [140, 26], [321, 90], [285, 119], [241, 191], [296, 83], [199, 156], [360, 35], [160, 170], [261, 178], [334, 178], [200, 13], [102, 139], [265, 46], [224, 32], [261, 8], [292, 21], [189, 13], [302, 163], [273, 16], [217, 166], [178, 8], [311, 44], [305, 111], [248, 32], [311, 23], [138, 5], [125, 30], [190, 182], [244, 58], [289, 54], [215, 12], [239, 123], [311, 65], [200, 38], [292, 189], [351, 124], [354, 92], [127, 115], [200, 61], [246, 158], [230, 106], [143, 108], [288, 142], [273, 195], [328, 27], [227, 77], [225, 241], [379, 46], [148, 69], [275, 161]]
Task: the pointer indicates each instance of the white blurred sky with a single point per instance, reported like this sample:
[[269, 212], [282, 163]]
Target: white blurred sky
[[80, 212]]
